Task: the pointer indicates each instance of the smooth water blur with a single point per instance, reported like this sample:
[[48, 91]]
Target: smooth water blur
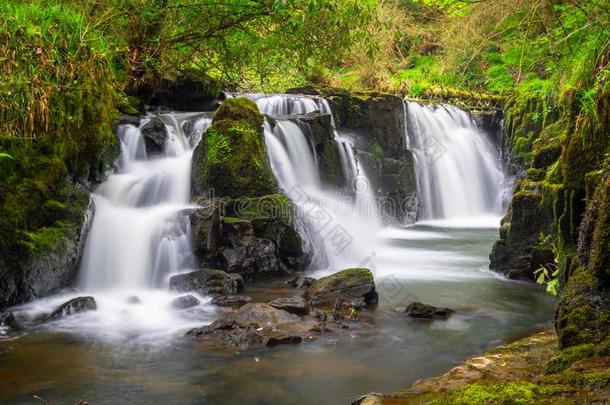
[[438, 265], [458, 168], [133, 349]]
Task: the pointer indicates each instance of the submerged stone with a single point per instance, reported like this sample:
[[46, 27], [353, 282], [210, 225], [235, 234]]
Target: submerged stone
[[185, 301], [419, 310]]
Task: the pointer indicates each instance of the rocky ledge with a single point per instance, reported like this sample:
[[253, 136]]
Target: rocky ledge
[[331, 301], [529, 371]]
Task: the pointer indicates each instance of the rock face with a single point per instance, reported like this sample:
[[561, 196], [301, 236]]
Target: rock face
[[394, 184], [249, 236], [47, 271], [232, 159], [155, 135], [7, 320], [254, 326], [190, 92], [205, 282], [353, 287], [518, 253], [419, 310], [185, 301], [74, 306]]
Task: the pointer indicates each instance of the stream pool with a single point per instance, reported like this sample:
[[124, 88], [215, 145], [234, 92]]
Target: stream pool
[[438, 263]]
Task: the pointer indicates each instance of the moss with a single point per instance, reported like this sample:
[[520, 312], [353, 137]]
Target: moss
[[361, 274], [568, 356], [378, 151], [273, 206], [579, 313], [600, 256], [484, 393], [232, 160], [239, 109]]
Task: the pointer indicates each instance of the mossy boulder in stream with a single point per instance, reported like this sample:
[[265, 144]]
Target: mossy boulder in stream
[[231, 160], [354, 287]]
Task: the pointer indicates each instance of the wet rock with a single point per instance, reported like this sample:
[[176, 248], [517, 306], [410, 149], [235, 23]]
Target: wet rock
[[419, 310], [354, 287], [300, 281], [232, 301], [237, 282], [49, 271], [295, 304], [254, 326], [206, 230], [126, 119], [185, 301], [155, 135], [266, 314], [134, 300], [257, 257], [237, 231], [75, 305], [7, 320], [203, 282]]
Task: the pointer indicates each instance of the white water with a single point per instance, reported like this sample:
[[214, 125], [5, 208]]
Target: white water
[[459, 173], [340, 227], [140, 235]]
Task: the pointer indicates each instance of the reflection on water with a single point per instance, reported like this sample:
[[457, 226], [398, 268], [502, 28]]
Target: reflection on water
[[435, 264]]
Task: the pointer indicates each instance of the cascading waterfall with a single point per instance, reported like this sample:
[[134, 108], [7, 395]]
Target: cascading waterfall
[[138, 235], [349, 225], [458, 168]]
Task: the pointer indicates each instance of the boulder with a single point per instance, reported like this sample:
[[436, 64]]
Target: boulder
[[254, 326], [185, 301], [232, 301], [7, 320], [419, 310], [266, 314], [257, 257], [74, 306], [354, 287], [295, 304], [134, 300], [301, 281], [155, 135], [232, 159], [204, 282]]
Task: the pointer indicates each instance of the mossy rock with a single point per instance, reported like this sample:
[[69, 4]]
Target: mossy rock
[[568, 356], [231, 160], [354, 287]]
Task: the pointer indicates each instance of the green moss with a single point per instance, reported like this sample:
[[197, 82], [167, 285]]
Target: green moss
[[568, 356], [484, 393], [273, 206], [378, 151], [239, 109], [232, 160], [360, 274]]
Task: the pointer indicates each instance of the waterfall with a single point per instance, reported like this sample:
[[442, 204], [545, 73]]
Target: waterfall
[[458, 169], [339, 227], [140, 233]]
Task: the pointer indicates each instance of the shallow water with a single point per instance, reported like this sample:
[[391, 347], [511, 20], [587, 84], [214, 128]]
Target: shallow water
[[437, 263]]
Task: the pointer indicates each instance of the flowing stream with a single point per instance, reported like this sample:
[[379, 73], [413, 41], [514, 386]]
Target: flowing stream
[[131, 349]]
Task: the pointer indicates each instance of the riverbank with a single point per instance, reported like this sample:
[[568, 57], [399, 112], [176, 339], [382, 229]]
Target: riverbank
[[529, 371]]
